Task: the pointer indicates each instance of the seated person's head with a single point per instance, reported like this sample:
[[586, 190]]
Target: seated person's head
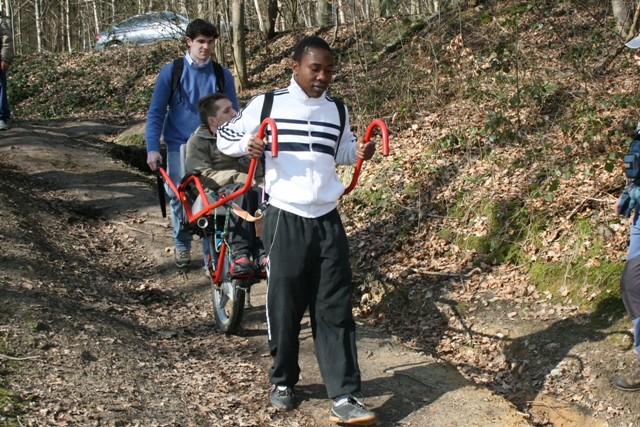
[[215, 109]]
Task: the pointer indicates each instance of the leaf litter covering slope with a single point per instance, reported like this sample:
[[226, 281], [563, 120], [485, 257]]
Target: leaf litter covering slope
[[75, 290], [490, 320]]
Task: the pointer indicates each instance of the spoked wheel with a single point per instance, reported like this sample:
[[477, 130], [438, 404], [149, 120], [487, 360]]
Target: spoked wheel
[[228, 296], [228, 305]]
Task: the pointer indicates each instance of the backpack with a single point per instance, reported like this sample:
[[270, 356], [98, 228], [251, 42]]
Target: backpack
[[632, 159], [268, 103], [178, 68]]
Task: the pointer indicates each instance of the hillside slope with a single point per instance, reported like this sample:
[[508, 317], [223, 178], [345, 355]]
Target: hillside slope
[[488, 237]]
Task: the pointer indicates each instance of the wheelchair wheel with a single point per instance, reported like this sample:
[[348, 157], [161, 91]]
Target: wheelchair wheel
[[228, 301]]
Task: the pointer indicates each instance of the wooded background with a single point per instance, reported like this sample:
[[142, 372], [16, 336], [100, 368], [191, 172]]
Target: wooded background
[[68, 25]]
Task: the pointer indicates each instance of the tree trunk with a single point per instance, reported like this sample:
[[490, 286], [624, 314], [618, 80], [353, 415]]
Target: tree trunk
[[323, 11], [341, 18], [623, 12], [239, 54], [260, 19], [38, 25], [376, 9], [415, 7], [67, 12], [272, 15]]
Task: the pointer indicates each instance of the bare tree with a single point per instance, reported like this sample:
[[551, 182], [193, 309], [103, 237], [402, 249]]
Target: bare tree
[[322, 13], [623, 12], [272, 16], [261, 25], [239, 53], [38, 21], [67, 13]]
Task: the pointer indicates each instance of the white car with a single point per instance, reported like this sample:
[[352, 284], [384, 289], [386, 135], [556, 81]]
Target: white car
[[143, 29]]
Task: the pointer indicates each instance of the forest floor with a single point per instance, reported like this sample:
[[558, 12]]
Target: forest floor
[[98, 328]]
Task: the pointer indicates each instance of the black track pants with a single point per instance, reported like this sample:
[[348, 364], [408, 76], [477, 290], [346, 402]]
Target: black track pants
[[309, 266]]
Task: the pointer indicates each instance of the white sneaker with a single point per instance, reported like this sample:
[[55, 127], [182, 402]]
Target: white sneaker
[[3, 125]]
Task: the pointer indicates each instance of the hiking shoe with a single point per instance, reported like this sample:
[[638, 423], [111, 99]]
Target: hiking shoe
[[241, 267], [282, 397], [352, 411], [260, 264], [628, 382], [182, 257], [4, 125]]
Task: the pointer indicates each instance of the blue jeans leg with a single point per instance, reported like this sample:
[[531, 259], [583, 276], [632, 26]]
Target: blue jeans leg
[[636, 334], [5, 113], [634, 252], [181, 238], [634, 239]]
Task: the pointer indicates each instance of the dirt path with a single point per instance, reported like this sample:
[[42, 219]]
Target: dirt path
[[142, 350]]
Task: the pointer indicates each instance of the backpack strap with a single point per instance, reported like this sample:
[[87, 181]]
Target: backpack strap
[[176, 75], [217, 70], [266, 106], [178, 68], [343, 119], [266, 112]]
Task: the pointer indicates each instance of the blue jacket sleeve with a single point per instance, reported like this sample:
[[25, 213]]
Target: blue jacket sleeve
[[158, 108], [230, 88]]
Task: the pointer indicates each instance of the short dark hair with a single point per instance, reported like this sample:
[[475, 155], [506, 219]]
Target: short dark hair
[[207, 106], [200, 27], [310, 42]]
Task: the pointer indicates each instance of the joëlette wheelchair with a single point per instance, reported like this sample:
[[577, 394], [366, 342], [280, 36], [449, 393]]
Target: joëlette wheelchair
[[209, 219]]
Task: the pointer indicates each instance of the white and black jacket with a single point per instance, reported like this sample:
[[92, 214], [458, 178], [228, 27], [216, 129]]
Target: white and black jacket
[[302, 179]]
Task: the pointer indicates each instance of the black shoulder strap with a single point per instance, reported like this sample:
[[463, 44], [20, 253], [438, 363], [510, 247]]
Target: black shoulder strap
[[343, 119], [266, 112], [178, 67], [266, 106], [217, 70]]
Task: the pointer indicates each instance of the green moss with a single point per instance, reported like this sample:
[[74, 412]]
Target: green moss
[[136, 140], [509, 223], [11, 406], [579, 282]]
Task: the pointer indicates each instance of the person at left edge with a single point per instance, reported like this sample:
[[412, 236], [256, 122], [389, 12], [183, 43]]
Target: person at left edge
[[6, 53], [177, 122]]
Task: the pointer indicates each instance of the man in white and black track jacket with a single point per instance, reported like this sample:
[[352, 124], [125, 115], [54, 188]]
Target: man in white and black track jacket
[[306, 245]]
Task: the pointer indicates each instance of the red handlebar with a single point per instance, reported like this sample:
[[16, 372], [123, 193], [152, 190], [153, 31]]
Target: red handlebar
[[254, 162], [179, 191], [274, 134], [367, 137]]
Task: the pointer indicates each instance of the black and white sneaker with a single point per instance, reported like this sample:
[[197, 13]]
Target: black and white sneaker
[[282, 397], [351, 411]]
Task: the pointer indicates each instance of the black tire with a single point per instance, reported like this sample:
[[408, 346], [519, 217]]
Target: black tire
[[228, 305], [227, 298]]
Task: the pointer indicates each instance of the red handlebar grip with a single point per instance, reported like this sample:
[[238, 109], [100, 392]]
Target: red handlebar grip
[[367, 137], [274, 134]]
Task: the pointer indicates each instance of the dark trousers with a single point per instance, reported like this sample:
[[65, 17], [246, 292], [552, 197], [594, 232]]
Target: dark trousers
[[5, 113], [243, 237], [309, 267]]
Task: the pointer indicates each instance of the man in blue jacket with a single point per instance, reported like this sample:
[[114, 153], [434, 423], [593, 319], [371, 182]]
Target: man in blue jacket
[[176, 124]]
